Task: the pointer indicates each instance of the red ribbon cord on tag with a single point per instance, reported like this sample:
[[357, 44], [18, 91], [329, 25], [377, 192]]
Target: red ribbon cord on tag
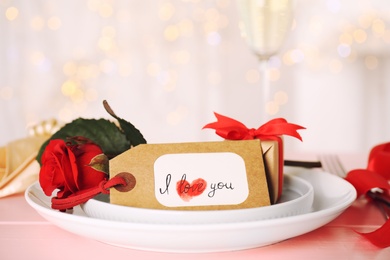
[[377, 175], [83, 196], [232, 129]]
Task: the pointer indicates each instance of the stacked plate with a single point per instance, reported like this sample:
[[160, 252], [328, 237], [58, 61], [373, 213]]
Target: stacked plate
[[297, 199], [310, 200]]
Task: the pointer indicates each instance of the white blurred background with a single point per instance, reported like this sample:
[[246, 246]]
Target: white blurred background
[[167, 65]]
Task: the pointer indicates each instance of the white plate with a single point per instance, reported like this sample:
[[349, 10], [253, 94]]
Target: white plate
[[332, 195], [297, 199]]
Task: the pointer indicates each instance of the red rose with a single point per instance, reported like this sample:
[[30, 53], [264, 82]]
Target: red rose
[[72, 167]]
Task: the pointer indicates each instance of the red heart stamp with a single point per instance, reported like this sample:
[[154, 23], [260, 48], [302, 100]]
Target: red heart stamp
[[187, 191]]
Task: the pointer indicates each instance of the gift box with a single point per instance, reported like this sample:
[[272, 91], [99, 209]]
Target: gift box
[[270, 134]]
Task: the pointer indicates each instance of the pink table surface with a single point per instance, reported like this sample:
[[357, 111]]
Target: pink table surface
[[24, 234]]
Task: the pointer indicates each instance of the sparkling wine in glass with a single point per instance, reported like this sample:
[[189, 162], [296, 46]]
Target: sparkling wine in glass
[[265, 25]]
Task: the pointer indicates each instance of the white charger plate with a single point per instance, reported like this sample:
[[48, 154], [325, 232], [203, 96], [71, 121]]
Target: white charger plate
[[297, 199], [332, 195]]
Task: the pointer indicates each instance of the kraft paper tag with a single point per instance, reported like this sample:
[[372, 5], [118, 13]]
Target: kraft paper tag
[[193, 176]]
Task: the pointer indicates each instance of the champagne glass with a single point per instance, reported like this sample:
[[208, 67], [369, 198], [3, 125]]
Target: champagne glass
[[265, 25]]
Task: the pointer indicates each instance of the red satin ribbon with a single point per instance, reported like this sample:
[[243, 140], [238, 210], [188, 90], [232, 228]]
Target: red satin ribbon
[[232, 129], [377, 175]]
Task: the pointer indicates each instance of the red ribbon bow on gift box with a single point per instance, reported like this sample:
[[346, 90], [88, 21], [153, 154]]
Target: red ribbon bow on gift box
[[377, 175], [232, 129]]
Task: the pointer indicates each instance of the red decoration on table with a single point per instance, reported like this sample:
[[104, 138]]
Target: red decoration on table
[[377, 175], [232, 129]]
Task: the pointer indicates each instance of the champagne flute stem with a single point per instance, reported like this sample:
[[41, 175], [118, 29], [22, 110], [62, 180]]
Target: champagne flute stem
[[265, 85]]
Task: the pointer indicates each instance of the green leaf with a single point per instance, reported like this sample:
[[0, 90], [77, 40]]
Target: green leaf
[[113, 140], [104, 133], [133, 135]]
